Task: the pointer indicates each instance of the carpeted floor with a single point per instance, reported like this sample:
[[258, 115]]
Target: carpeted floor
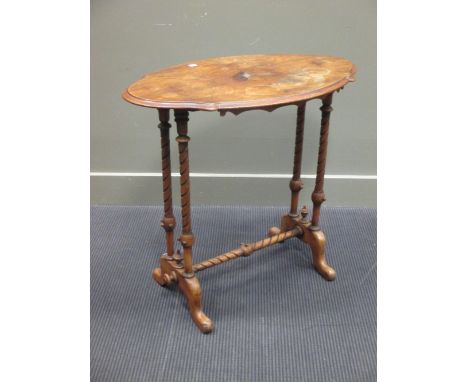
[[275, 318]]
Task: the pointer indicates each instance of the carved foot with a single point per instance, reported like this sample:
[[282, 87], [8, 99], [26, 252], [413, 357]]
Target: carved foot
[[317, 244], [172, 272], [316, 240], [190, 287]]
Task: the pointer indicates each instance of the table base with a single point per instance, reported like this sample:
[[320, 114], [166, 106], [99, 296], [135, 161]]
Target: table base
[[177, 267], [171, 268]]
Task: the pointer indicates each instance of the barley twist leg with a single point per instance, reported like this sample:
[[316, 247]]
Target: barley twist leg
[[188, 283], [318, 196]]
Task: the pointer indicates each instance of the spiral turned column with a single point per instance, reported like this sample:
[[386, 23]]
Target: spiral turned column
[[187, 238], [168, 222], [296, 184], [318, 196]]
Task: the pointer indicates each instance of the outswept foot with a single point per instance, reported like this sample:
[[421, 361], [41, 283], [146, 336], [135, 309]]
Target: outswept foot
[[191, 289], [170, 272], [158, 276], [316, 240], [317, 244]]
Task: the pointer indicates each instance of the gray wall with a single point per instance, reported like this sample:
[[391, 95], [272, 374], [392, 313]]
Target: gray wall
[[131, 38]]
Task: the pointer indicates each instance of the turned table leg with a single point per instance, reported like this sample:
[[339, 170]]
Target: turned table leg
[[174, 268], [168, 222], [311, 232], [186, 239], [188, 282], [318, 196], [296, 183]]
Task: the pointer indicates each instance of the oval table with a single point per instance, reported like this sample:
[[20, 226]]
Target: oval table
[[236, 84]]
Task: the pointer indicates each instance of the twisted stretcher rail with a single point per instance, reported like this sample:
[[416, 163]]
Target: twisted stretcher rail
[[248, 249]]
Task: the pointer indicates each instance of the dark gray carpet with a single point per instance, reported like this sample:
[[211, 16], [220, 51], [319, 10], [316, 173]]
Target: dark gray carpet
[[275, 318]]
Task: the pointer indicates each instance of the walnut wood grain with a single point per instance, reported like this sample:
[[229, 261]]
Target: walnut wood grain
[[241, 82]]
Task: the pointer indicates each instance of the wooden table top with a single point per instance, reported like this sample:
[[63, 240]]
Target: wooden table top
[[241, 82]]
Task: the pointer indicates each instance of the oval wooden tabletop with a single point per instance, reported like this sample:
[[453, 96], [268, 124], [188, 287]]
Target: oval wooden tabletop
[[241, 82]]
